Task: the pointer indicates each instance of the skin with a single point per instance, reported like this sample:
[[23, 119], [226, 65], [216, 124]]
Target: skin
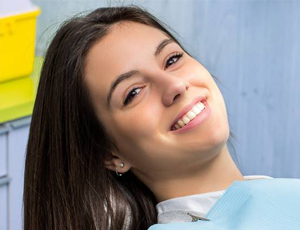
[[170, 164]]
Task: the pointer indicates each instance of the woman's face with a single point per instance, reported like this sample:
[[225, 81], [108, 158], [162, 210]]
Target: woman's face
[[145, 103]]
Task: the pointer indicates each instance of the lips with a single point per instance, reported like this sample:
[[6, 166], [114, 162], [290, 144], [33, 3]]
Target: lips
[[187, 108]]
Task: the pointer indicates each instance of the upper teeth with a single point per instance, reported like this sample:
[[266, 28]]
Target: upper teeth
[[190, 115]]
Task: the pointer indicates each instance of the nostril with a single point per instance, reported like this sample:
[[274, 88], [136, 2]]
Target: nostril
[[176, 97]]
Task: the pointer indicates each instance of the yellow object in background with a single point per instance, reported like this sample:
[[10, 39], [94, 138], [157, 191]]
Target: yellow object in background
[[17, 96], [16, 99], [17, 57], [17, 41]]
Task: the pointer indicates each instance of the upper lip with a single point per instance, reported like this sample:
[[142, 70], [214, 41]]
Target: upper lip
[[187, 108]]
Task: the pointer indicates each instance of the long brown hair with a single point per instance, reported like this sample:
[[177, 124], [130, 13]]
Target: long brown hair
[[67, 186]]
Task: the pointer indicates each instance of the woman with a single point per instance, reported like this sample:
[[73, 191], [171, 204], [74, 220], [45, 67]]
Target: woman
[[124, 120]]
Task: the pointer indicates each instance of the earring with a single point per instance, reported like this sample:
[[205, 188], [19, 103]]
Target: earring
[[121, 166]]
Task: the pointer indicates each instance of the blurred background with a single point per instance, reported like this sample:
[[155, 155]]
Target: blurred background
[[252, 47]]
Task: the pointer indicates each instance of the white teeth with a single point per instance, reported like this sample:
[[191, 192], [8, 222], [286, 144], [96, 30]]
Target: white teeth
[[200, 106], [186, 120], [196, 110], [181, 123], [189, 116], [177, 126]]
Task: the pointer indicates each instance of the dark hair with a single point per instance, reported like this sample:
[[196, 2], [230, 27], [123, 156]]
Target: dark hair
[[67, 185]]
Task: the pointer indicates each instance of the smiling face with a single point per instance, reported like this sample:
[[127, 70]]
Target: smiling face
[[160, 87]]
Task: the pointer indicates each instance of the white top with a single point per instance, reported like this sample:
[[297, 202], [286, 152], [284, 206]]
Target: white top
[[176, 209]]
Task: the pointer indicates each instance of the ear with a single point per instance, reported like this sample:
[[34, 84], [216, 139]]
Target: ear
[[114, 162]]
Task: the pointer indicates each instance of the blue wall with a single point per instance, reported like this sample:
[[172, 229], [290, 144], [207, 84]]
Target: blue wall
[[253, 47]]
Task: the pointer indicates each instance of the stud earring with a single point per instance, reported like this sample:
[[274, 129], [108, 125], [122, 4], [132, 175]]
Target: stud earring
[[121, 166]]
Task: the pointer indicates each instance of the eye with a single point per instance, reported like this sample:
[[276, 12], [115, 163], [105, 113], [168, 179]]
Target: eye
[[173, 59], [131, 95], [176, 57]]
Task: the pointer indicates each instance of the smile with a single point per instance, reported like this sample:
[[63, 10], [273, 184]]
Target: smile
[[189, 116]]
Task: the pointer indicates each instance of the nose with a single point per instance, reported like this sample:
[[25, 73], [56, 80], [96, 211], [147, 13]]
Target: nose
[[173, 88]]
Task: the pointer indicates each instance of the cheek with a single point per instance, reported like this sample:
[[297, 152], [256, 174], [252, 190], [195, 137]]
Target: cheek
[[138, 126], [221, 102], [137, 134], [139, 123], [221, 127]]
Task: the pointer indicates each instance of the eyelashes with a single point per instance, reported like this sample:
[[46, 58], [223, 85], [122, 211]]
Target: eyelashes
[[131, 95], [176, 55], [136, 90]]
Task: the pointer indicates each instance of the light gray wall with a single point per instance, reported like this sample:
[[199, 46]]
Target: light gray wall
[[253, 47]]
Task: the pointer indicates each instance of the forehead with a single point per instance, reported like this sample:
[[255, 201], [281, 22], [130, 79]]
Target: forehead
[[130, 33], [127, 46]]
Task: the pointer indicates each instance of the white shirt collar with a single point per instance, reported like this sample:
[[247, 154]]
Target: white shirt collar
[[175, 209]]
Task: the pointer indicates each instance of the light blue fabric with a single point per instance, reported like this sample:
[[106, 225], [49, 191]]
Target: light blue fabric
[[268, 204]]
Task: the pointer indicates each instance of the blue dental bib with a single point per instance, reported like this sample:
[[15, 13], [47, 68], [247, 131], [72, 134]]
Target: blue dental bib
[[263, 204]]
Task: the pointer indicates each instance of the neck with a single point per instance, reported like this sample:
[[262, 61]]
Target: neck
[[217, 174]]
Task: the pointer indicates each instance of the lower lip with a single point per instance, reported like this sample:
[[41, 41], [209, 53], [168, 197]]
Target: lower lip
[[201, 117]]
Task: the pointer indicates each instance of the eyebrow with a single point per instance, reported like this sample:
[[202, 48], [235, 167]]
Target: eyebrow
[[131, 73]]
